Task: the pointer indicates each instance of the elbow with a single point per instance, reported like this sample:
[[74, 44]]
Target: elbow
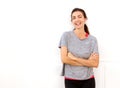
[[96, 65], [64, 60], [93, 63]]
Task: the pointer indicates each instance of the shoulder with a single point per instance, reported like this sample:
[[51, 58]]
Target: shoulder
[[93, 38], [66, 33]]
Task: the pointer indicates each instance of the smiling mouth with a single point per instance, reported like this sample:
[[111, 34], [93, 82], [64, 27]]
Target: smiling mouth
[[78, 23]]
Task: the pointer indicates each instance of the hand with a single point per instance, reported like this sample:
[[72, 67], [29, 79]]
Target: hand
[[94, 56], [71, 56]]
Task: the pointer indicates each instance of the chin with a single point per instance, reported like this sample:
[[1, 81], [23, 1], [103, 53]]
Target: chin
[[78, 27]]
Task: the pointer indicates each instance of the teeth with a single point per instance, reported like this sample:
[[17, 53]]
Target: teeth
[[77, 23]]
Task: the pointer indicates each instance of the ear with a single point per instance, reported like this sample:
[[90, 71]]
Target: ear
[[85, 20]]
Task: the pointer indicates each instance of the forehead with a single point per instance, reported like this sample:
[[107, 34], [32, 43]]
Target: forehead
[[77, 13]]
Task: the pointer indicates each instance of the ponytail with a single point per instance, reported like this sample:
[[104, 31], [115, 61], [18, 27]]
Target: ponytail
[[86, 29]]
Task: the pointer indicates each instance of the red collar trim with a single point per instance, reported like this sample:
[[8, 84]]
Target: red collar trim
[[86, 34]]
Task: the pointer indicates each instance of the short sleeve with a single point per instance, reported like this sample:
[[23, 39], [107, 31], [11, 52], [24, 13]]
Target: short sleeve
[[95, 46], [63, 40]]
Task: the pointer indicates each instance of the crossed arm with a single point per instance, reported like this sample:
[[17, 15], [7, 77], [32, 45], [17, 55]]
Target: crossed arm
[[68, 58]]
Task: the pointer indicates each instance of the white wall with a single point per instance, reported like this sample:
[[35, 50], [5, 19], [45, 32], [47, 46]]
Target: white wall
[[30, 31]]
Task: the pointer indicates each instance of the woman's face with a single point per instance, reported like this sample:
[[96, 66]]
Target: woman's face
[[78, 19]]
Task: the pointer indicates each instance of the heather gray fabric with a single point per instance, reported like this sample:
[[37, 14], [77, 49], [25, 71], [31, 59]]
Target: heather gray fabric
[[81, 48]]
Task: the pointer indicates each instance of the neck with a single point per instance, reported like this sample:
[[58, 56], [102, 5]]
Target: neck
[[80, 33]]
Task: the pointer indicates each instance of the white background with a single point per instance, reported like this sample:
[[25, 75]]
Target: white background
[[30, 31]]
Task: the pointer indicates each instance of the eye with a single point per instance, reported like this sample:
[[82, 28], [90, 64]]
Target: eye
[[73, 17], [79, 16]]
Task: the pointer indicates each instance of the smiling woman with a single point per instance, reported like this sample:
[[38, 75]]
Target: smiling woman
[[78, 19], [79, 53]]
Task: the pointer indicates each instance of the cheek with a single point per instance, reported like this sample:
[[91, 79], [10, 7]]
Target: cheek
[[72, 22], [82, 20]]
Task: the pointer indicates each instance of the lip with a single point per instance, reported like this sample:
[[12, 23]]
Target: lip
[[77, 23]]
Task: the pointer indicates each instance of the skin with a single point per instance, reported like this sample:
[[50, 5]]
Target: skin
[[78, 21]]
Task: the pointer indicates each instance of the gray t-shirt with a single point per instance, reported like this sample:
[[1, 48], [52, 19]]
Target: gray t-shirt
[[81, 48]]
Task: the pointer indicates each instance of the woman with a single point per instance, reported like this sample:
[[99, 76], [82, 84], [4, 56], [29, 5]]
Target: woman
[[79, 53]]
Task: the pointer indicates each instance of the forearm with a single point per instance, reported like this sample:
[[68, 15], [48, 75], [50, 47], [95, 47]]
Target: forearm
[[88, 62], [69, 61], [92, 61]]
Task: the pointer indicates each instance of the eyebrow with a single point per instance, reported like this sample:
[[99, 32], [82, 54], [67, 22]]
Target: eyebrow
[[80, 15], [77, 15]]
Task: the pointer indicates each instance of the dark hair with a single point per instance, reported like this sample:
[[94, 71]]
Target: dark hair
[[85, 16]]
